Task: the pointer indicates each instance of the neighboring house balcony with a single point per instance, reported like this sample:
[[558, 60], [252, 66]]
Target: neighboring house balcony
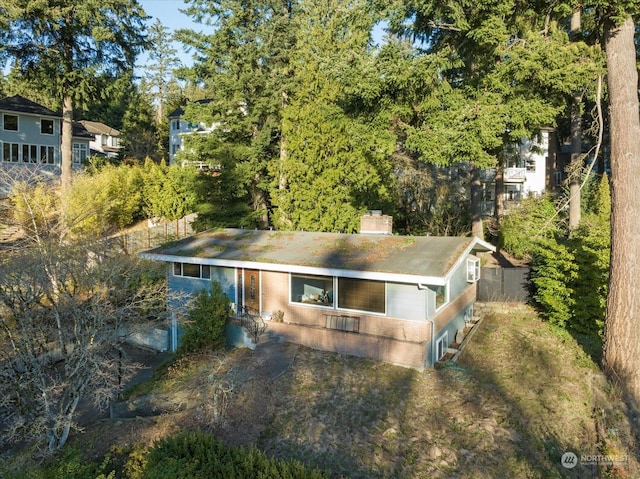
[[515, 175], [510, 175]]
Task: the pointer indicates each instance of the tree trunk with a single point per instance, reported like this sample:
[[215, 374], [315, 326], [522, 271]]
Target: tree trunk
[[575, 168], [66, 148], [499, 193], [622, 322], [476, 203]]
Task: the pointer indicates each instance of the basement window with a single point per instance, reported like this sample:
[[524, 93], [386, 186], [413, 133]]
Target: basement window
[[441, 346]]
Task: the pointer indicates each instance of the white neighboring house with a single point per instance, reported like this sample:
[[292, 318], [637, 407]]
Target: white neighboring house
[[107, 139], [179, 127], [531, 168]]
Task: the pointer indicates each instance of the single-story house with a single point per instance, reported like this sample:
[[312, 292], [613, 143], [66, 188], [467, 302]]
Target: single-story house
[[398, 299]]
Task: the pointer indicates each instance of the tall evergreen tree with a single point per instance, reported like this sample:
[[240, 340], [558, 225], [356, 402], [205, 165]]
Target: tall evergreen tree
[[336, 163], [245, 68], [64, 44], [139, 132], [163, 60], [622, 328], [505, 76]]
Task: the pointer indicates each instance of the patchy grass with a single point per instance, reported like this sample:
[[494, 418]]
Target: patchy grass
[[521, 395]]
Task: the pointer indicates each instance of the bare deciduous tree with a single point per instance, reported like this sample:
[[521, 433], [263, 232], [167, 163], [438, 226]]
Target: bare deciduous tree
[[67, 307]]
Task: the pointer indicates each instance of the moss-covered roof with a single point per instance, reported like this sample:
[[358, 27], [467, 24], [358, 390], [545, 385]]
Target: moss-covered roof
[[406, 255]]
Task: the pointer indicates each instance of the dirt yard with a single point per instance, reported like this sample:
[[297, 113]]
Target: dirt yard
[[521, 396]]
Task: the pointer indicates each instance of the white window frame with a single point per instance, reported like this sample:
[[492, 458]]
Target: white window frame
[[204, 269], [331, 306], [473, 270], [442, 343], [47, 154], [446, 296], [31, 156], [13, 150], [80, 152]]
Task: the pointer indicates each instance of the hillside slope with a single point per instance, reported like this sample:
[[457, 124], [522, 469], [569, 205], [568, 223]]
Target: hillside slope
[[521, 396]]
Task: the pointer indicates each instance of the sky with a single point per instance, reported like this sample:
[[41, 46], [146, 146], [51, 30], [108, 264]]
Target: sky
[[168, 12]]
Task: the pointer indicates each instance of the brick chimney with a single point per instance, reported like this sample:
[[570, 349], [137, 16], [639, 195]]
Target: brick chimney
[[374, 222]]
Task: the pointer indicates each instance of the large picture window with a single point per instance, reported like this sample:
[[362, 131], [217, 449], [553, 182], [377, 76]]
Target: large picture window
[[315, 290], [361, 295]]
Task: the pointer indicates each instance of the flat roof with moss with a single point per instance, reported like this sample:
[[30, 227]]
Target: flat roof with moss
[[422, 256]]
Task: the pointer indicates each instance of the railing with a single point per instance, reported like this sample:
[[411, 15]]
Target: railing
[[515, 174], [250, 320]]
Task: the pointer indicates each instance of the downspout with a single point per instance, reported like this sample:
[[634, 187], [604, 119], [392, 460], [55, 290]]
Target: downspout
[[174, 332], [423, 287]]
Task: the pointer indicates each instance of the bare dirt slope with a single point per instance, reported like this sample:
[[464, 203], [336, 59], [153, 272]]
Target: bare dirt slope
[[521, 396]]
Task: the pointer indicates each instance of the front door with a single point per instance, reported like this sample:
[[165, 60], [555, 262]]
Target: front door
[[251, 290]]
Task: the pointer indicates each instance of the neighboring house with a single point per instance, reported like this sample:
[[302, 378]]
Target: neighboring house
[[31, 134], [531, 168], [179, 127], [107, 140], [398, 299]]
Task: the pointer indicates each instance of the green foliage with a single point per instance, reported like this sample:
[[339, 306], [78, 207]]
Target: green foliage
[[525, 225], [169, 191], [196, 455], [35, 208], [336, 164], [599, 202], [591, 243], [553, 270], [70, 463], [204, 327], [109, 198], [71, 42], [570, 276], [139, 134]]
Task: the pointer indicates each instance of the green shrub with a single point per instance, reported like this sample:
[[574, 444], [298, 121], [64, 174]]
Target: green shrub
[[105, 199], [553, 272], [526, 225], [570, 275], [204, 327], [69, 463], [195, 455]]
